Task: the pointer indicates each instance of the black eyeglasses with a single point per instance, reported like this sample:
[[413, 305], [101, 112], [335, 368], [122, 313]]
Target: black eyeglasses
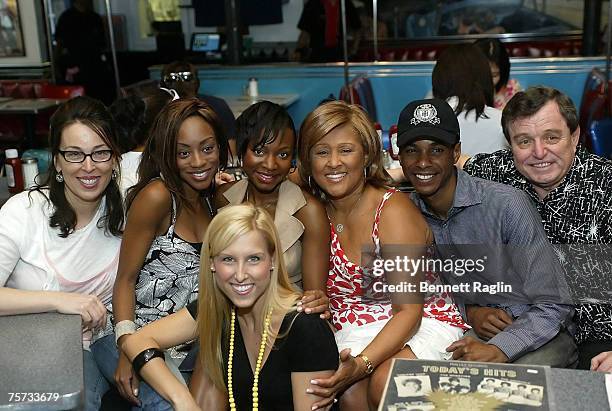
[[99, 156], [179, 76]]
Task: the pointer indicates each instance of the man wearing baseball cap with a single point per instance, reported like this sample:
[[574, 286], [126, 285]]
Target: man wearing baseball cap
[[464, 210]]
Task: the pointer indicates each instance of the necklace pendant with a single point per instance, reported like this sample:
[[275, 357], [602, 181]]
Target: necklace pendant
[[339, 228]]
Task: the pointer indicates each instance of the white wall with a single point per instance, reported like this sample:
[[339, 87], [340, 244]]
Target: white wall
[[34, 38]]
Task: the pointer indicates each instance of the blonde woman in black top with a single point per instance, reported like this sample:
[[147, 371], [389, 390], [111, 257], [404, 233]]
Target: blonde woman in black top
[[256, 350]]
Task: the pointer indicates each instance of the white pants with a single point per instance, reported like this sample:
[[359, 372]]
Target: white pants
[[429, 343]]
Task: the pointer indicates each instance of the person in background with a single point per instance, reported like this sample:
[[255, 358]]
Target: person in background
[[477, 20], [366, 17], [81, 43], [134, 117], [499, 62], [256, 350], [60, 240], [168, 212], [572, 191], [462, 77], [340, 159], [183, 77], [128, 113], [320, 28]]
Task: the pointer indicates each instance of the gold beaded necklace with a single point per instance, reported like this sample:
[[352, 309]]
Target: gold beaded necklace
[[230, 360]]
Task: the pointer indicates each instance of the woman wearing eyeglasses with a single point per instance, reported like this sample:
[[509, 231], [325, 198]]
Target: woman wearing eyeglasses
[[168, 212], [60, 241]]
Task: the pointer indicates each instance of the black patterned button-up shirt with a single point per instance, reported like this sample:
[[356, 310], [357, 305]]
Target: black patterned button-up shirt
[[578, 211]]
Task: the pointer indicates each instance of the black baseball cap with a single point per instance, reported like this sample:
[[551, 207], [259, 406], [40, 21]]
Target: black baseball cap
[[429, 119]]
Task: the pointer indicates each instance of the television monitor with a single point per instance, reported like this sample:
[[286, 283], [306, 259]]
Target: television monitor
[[205, 42]]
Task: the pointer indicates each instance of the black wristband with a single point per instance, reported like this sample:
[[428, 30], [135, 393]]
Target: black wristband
[[144, 357]]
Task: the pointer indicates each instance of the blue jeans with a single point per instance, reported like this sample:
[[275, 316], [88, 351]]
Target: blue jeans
[[95, 383], [106, 355]]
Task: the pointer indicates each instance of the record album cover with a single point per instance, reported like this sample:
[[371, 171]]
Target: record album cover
[[419, 385]]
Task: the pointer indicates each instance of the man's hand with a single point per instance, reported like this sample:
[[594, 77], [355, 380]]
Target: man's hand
[[602, 362], [469, 349], [487, 321]]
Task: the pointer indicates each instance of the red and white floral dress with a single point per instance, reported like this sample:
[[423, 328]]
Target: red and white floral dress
[[352, 299]]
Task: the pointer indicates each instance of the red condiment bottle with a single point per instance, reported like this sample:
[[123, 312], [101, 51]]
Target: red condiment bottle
[[14, 172]]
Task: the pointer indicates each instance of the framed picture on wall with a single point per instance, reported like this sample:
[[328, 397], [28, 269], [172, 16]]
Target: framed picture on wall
[[11, 35]]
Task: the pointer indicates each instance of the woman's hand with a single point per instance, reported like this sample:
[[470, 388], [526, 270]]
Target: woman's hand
[[89, 307], [351, 369], [126, 380], [313, 302], [223, 177]]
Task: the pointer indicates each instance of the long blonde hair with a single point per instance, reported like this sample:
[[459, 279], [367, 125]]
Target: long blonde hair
[[214, 308]]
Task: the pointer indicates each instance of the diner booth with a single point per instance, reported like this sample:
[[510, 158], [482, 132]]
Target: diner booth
[[384, 64]]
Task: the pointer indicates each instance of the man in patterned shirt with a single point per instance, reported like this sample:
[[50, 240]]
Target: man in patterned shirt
[[572, 191], [530, 324]]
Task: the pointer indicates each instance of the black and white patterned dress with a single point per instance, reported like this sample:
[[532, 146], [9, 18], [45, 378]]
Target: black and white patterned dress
[[168, 279]]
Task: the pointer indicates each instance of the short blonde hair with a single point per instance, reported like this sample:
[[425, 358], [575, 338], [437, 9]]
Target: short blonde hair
[[328, 117], [214, 308]]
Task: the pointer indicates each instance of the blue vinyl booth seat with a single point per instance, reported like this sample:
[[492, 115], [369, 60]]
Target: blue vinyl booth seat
[[601, 137]]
